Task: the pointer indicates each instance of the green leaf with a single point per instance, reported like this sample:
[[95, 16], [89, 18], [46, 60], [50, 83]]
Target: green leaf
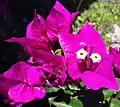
[[118, 80], [107, 94], [51, 99], [73, 87], [115, 103], [82, 85], [76, 22], [80, 18], [74, 102], [118, 95], [100, 12], [60, 104], [58, 52], [51, 89], [68, 92]]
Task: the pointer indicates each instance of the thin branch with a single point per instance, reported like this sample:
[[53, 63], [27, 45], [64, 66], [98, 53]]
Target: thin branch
[[78, 7], [5, 12]]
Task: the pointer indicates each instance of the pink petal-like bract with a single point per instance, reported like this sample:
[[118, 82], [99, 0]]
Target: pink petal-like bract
[[53, 65], [89, 40], [102, 77], [59, 20], [37, 29], [71, 43], [29, 44], [21, 83], [115, 58]]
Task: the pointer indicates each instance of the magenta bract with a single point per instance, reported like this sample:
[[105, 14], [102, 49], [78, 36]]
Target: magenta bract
[[59, 20], [85, 36], [115, 58], [37, 29], [21, 83], [54, 67], [86, 53], [43, 34], [36, 36], [29, 44]]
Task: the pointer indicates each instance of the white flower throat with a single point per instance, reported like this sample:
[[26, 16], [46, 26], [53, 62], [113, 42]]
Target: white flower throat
[[81, 54]]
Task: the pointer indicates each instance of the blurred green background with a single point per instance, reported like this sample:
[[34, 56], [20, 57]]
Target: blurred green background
[[102, 14]]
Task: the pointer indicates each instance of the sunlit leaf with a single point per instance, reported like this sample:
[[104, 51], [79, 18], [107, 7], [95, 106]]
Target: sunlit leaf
[[60, 104], [58, 52], [107, 94], [51, 89], [51, 99], [74, 102], [115, 103], [68, 92]]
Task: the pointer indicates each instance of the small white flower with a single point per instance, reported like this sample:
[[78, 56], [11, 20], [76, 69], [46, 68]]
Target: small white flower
[[81, 54], [38, 88], [95, 57], [82, 43]]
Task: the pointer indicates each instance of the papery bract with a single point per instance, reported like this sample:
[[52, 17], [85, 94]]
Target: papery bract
[[36, 36], [86, 56], [59, 20], [45, 33], [37, 29], [115, 58], [102, 77], [29, 44], [24, 72], [87, 35], [21, 83], [54, 67]]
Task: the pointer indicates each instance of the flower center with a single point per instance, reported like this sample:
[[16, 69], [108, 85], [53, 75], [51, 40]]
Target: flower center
[[96, 58], [81, 54], [87, 59]]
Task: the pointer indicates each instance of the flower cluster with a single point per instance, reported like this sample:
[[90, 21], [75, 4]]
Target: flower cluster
[[84, 59]]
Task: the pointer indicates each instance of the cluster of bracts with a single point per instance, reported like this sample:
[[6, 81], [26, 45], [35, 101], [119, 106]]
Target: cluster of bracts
[[84, 59]]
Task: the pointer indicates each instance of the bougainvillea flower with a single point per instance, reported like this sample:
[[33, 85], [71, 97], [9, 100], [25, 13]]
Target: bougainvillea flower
[[54, 67], [37, 29], [115, 57], [59, 20], [36, 36], [86, 54], [21, 83], [43, 32], [71, 43], [29, 44]]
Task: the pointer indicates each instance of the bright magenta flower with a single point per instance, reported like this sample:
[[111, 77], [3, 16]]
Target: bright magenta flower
[[115, 57], [37, 29], [30, 44], [42, 32], [36, 36], [21, 83], [53, 66], [86, 53], [59, 20]]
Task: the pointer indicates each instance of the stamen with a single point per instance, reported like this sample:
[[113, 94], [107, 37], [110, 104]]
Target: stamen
[[82, 43], [35, 14], [95, 57], [81, 54]]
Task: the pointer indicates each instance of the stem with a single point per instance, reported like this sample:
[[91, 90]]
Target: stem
[[78, 7], [82, 88], [5, 12]]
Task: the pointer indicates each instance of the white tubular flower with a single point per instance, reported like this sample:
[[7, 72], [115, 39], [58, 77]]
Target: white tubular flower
[[82, 43], [95, 57], [81, 54]]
